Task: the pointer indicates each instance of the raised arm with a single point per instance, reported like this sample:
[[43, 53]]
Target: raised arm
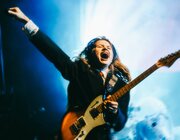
[[44, 44]]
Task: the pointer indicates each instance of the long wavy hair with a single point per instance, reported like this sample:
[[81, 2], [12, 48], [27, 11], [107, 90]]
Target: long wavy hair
[[86, 57]]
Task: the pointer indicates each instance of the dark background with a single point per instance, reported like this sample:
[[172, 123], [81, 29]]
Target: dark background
[[32, 91]]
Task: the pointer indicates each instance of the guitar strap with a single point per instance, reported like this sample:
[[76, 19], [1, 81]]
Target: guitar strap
[[110, 84]]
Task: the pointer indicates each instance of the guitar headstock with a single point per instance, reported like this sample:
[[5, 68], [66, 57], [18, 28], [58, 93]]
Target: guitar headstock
[[169, 59]]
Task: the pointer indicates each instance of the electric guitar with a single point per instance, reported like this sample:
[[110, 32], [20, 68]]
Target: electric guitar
[[77, 125]]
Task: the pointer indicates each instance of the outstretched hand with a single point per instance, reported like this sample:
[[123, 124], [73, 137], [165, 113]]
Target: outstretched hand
[[18, 14]]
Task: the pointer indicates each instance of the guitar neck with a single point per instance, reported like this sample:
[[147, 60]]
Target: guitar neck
[[166, 61], [133, 83]]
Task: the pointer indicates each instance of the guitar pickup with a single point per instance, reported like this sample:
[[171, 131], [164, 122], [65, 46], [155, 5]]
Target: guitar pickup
[[76, 127], [80, 123], [94, 112], [74, 130]]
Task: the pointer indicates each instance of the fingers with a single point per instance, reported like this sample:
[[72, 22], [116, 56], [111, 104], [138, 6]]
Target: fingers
[[18, 14], [13, 10], [112, 106]]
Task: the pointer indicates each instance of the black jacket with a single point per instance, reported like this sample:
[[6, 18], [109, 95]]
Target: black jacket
[[85, 84]]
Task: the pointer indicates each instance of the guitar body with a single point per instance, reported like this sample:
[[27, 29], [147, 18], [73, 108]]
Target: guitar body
[[77, 125], [89, 122]]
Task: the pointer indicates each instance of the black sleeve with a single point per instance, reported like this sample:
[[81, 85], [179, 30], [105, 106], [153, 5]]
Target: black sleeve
[[118, 121], [122, 116], [54, 54]]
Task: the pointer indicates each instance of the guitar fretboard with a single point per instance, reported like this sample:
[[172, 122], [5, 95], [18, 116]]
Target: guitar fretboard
[[133, 83], [129, 86], [166, 61]]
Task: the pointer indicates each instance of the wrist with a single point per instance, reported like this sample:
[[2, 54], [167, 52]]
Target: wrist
[[26, 20], [30, 28]]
